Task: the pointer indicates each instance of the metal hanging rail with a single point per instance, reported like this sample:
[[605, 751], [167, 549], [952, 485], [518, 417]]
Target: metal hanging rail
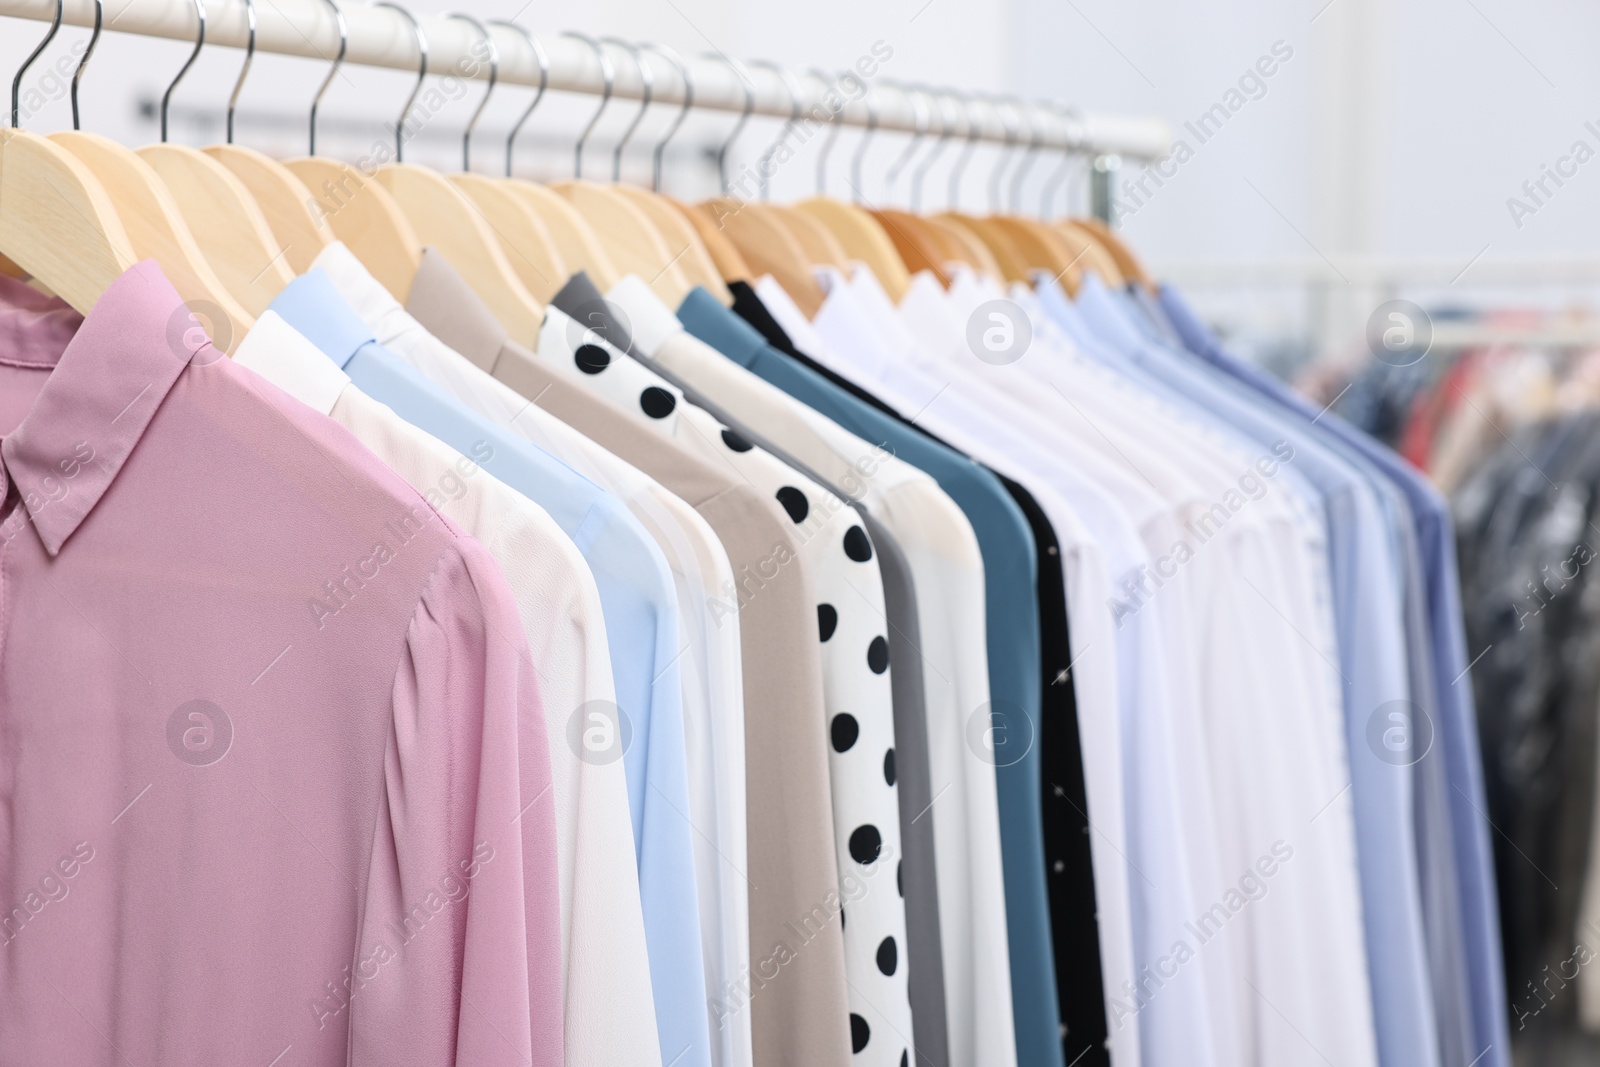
[[381, 37]]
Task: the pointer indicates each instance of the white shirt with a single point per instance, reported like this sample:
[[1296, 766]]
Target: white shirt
[[610, 1012], [856, 690]]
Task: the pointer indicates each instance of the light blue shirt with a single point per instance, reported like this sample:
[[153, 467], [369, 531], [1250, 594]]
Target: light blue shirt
[[1457, 734], [640, 607], [1367, 592]]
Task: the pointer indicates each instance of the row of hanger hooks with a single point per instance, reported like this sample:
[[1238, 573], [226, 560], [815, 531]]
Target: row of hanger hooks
[[928, 104]]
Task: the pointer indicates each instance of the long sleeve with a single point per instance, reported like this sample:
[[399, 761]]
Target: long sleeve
[[462, 890]]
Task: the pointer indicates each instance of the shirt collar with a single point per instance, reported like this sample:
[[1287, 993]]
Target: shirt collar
[[288, 359], [363, 294], [313, 306], [445, 304], [109, 377], [714, 324]]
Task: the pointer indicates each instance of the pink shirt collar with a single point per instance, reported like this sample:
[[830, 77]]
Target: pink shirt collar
[[112, 371]]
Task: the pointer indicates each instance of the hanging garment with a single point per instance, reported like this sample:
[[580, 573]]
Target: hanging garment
[[277, 678], [604, 961]]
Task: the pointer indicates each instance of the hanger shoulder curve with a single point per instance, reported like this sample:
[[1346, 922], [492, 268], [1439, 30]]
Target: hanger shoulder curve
[[863, 238], [579, 245], [526, 240], [157, 228], [363, 215], [919, 243], [966, 246], [820, 245], [225, 221], [697, 263], [730, 263], [77, 249], [768, 246], [443, 217], [284, 200], [1096, 255], [1129, 264], [629, 237]]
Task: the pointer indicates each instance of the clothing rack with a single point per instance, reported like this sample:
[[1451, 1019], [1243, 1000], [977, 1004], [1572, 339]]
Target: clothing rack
[[382, 37]]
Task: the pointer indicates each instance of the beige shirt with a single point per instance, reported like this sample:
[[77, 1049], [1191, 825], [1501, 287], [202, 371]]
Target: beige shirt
[[794, 990]]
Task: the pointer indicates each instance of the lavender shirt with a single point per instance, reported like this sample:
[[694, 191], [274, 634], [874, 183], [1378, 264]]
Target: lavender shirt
[[262, 788]]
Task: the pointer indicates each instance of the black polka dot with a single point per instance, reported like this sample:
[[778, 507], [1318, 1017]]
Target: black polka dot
[[888, 956], [794, 502], [900, 878], [657, 402], [905, 1058], [827, 620], [866, 843], [734, 441], [860, 1032], [845, 730], [888, 766], [591, 359], [856, 545], [878, 655], [841, 917]]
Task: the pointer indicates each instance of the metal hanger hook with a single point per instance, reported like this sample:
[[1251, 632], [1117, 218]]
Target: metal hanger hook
[[338, 61], [856, 193], [744, 116], [249, 54], [422, 75], [792, 86], [609, 74], [934, 153], [199, 43], [1073, 126], [1003, 160], [647, 82], [1035, 141], [16, 83], [83, 61], [543, 59], [833, 130], [494, 76], [656, 154], [921, 121], [964, 101]]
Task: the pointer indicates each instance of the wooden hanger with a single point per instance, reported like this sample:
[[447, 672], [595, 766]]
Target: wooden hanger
[[222, 215], [58, 226], [359, 210], [157, 229], [577, 242], [691, 255], [1095, 256], [967, 247], [1127, 263], [443, 218], [630, 239], [724, 253], [524, 237], [768, 247], [818, 242], [920, 243], [284, 200], [863, 238]]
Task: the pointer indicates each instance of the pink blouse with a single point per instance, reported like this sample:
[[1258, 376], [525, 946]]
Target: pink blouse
[[263, 798]]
